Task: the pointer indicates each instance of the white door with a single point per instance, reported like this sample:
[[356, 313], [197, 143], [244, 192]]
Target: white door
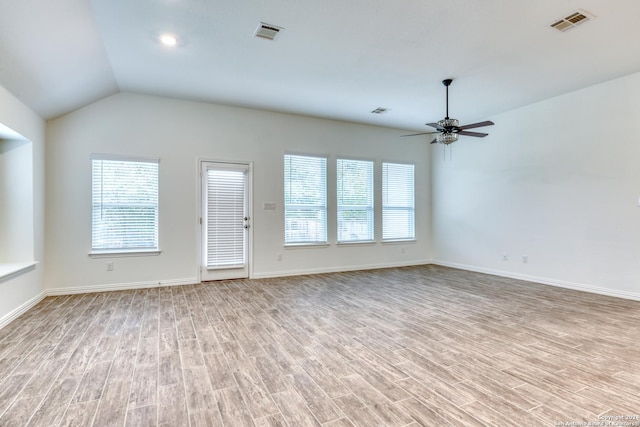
[[225, 221]]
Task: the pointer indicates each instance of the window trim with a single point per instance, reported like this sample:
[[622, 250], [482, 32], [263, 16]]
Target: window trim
[[308, 243], [12, 270], [370, 209], [125, 252], [382, 204], [108, 253]]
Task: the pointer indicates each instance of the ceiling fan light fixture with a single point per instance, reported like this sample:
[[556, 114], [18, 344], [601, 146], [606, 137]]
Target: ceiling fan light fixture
[[447, 138], [447, 123]]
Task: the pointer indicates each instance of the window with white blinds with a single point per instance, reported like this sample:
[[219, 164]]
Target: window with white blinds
[[124, 204], [305, 199], [398, 201], [355, 200], [225, 215]]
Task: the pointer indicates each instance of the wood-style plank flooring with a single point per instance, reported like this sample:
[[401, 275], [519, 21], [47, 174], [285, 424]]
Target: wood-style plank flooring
[[425, 345]]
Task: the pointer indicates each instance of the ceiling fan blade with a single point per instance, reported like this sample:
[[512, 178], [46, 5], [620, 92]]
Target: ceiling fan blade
[[476, 134], [477, 125], [435, 141], [433, 125], [416, 134]]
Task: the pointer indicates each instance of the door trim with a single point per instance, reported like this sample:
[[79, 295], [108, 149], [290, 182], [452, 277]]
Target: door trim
[[199, 211]]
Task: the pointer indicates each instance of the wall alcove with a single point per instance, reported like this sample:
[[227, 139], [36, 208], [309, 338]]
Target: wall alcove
[[16, 204]]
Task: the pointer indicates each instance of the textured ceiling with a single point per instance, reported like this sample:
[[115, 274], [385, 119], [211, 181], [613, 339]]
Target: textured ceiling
[[334, 59]]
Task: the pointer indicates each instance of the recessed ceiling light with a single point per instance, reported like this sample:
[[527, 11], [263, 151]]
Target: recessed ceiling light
[[168, 40]]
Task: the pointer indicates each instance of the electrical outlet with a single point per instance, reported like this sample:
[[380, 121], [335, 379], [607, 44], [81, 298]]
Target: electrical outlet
[[525, 259], [279, 257], [109, 266], [505, 256]]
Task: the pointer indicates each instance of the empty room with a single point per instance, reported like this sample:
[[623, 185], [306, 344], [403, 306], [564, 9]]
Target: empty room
[[319, 213]]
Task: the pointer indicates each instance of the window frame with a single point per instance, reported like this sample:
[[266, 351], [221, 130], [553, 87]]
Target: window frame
[[411, 209], [96, 252], [233, 180], [322, 207], [369, 208]]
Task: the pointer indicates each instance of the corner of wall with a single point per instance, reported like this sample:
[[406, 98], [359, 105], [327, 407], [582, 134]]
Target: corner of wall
[[18, 294]]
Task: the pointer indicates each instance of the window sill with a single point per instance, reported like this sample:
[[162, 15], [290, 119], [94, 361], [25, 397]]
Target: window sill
[[14, 269], [306, 245], [122, 254], [392, 241], [357, 243]]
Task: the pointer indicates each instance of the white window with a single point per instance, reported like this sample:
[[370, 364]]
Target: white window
[[124, 204], [305, 199], [226, 215], [398, 206], [355, 200]]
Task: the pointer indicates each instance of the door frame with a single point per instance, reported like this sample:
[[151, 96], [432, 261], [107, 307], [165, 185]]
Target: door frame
[[200, 208]]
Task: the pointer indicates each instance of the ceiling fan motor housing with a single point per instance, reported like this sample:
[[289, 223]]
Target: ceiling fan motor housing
[[448, 124]]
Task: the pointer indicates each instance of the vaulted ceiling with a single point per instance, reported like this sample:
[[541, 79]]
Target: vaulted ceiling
[[333, 59]]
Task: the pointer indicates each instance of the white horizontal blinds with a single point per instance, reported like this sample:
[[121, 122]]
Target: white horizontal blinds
[[124, 204], [355, 200], [398, 201], [226, 211], [305, 199]]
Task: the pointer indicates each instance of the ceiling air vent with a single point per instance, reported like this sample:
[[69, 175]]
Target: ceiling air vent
[[572, 20], [380, 110], [267, 31]]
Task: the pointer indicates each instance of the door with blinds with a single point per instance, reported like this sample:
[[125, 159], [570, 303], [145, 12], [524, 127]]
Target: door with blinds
[[225, 221]]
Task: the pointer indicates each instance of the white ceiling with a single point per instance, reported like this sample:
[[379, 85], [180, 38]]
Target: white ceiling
[[334, 59]]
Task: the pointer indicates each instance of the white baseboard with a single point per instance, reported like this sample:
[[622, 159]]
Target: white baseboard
[[191, 280], [543, 280], [286, 273], [8, 318], [120, 286], [12, 315]]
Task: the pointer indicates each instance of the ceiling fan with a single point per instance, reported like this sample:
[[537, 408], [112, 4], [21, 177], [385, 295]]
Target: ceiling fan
[[448, 129]]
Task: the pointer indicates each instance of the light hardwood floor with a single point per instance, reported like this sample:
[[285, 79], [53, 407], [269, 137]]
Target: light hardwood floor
[[411, 346]]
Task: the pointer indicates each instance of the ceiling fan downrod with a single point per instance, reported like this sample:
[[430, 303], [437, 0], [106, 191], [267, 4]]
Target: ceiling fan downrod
[[447, 83]]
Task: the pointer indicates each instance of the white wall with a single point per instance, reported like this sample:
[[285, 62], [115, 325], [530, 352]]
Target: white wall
[[180, 132], [558, 181], [16, 201], [20, 292]]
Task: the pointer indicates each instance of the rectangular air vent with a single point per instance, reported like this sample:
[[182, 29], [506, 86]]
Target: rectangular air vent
[[571, 21], [380, 110], [267, 31], [562, 25]]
